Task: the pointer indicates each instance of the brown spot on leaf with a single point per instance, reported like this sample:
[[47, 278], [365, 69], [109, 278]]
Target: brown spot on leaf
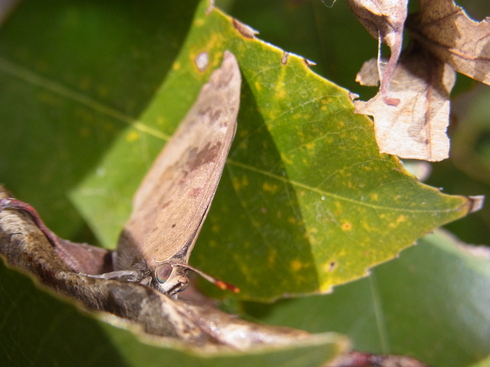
[[244, 29], [309, 62], [285, 57]]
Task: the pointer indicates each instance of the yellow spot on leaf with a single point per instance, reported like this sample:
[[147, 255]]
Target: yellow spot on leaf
[[240, 182], [400, 219], [346, 226], [310, 146], [271, 258], [281, 93], [176, 66], [286, 159], [296, 265], [272, 188], [132, 136], [375, 197]]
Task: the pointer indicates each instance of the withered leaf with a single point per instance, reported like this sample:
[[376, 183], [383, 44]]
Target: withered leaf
[[384, 20], [416, 128], [448, 32]]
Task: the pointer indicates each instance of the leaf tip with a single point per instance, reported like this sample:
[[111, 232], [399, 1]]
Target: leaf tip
[[475, 203]]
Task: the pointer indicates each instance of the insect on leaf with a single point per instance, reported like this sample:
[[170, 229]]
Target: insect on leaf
[[172, 202]]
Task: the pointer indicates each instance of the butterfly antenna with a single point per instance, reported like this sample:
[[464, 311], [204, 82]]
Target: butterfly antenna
[[219, 283]]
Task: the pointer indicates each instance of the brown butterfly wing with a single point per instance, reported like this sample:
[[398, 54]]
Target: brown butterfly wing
[[174, 198]]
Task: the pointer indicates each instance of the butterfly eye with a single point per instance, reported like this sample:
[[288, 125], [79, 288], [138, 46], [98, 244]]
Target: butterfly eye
[[163, 272]]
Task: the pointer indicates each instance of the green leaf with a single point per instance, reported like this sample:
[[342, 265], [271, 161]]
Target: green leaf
[[38, 328], [431, 303], [306, 201]]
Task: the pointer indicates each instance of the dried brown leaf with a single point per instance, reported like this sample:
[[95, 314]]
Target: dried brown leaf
[[384, 20], [416, 128], [448, 32], [368, 75]]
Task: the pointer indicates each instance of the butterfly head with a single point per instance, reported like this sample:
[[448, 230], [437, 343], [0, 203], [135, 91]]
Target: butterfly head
[[171, 279]]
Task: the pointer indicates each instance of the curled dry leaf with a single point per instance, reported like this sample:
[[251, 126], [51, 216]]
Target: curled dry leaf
[[384, 20], [448, 32], [416, 128]]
